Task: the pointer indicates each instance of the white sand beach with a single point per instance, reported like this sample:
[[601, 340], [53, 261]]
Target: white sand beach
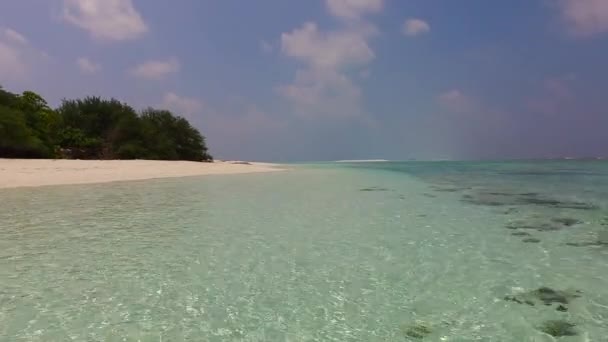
[[38, 172]]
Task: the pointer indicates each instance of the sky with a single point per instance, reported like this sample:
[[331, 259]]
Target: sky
[[288, 80]]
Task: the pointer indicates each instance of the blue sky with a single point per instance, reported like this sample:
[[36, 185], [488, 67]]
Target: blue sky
[[288, 80]]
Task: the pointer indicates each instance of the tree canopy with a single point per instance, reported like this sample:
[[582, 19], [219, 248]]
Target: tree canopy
[[94, 128]]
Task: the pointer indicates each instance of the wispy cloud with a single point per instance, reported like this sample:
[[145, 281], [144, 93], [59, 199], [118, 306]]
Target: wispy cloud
[[322, 87], [87, 66], [17, 56], [14, 36], [108, 20], [353, 9], [266, 47], [414, 27], [319, 92], [585, 17], [335, 49], [181, 105], [455, 100], [11, 64], [156, 70], [554, 95]]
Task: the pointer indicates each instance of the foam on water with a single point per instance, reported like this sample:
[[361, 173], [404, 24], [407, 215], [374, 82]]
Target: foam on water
[[306, 255]]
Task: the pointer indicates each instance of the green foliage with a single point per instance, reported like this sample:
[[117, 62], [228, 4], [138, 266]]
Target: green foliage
[[94, 128], [7, 99], [17, 139], [31, 102], [170, 137]]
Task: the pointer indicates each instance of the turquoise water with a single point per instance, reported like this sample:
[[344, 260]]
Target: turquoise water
[[335, 252]]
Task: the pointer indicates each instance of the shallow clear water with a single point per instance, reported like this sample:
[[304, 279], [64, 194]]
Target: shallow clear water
[[347, 252]]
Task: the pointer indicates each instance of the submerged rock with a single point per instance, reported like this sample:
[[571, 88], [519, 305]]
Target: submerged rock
[[567, 221], [602, 240], [587, 244], [538, 201], [450, 189], [501, 194], [544, 226], [484, 201], [544, 295], [529, 198], [512, 194], [417, 330], [553, 203], [558, 328], [518, 300], [374, 188], [549, 296], [530, 194], [539, 226]]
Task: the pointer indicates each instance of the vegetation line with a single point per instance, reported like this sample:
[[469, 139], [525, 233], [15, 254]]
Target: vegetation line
[[94, 128]]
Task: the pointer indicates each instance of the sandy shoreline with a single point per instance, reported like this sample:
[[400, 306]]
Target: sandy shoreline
[[15, 173]]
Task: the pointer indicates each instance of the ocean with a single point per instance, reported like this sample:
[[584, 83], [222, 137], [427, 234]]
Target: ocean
[[384, 251]]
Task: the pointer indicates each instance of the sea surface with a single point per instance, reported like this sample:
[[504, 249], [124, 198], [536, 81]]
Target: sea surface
[[397, 251]]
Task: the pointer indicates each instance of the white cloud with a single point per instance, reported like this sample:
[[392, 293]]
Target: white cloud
[[156, 70], [585, 17], [327, 50], [87, 66], [110, 20], [353, 9], [14, 36], [322, 87], [17, 56], [451, 96], [323, 92], [413, 27], [11, 64], [183, 106]]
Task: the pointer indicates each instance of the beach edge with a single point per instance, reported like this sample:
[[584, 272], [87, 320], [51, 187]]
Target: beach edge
[[19, 173]]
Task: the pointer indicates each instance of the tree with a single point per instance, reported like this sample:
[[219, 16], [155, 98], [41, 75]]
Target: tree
[[31, 102], [105, 121], [156, 126], [190, 143], [171, 137], [7, 99], [43, 121], [93, 128], [16, 138]]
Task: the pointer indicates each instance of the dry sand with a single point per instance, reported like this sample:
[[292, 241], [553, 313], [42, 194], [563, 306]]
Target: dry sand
[[38, 172]]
